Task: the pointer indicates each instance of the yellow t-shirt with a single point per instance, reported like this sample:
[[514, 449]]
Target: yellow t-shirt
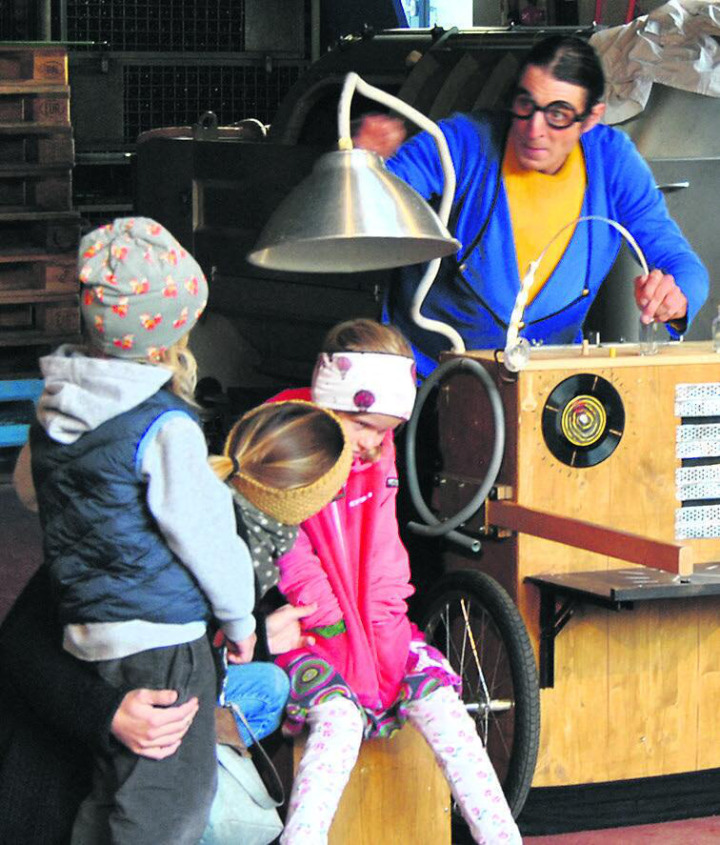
[[540, 205]]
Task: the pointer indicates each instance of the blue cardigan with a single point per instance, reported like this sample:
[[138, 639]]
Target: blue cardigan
[[476, 290]]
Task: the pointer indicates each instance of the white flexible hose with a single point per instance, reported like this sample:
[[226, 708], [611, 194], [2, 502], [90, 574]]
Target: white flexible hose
[[353, 83], [517, 348]]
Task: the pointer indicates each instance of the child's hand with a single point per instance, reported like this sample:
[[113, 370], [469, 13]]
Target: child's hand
[[241, 652], [283, 629]]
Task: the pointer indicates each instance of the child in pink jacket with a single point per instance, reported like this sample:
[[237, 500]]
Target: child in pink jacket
[[369, 669]]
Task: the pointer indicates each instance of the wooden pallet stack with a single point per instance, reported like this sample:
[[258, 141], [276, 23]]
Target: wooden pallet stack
[[39, 231]]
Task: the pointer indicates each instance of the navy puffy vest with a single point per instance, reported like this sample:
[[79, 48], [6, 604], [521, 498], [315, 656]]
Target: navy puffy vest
[[108, 561]]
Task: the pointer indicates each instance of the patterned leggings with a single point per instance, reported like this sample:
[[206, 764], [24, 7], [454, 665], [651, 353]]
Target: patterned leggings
[[336, 733]]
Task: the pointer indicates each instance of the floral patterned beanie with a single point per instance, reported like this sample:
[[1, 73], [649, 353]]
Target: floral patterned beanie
[[141, 291]]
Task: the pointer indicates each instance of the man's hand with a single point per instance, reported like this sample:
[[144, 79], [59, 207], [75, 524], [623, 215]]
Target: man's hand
[[659, 298], [284, 632], [241, 651], [380, 134], [148, 725]]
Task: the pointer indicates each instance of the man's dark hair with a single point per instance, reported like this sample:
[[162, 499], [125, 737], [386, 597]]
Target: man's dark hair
[[569, 59]]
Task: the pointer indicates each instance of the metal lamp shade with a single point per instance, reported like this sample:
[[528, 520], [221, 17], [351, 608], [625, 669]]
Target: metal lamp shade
[[351, 214]]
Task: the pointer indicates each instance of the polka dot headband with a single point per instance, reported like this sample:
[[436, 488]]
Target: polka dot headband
[[365, 382]]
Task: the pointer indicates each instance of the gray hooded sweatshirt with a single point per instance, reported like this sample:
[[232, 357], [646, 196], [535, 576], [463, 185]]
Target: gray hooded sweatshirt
[[192, 507]]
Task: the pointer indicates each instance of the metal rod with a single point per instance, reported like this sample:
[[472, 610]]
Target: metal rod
[[45, 19]]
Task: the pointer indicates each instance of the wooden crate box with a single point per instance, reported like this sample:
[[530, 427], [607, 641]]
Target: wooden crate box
[[47, 106], [18, 149], [42, 321], [23, 65], [33, 276], [50, 231], [17, 409], [29, 189], [396, 793]]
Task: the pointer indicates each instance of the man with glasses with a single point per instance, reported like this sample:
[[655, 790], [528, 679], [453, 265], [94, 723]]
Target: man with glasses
[[523, 177]]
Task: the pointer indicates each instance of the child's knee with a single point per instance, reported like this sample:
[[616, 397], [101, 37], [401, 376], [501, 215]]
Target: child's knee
[[279, 683], [339, 712], [264, 682]]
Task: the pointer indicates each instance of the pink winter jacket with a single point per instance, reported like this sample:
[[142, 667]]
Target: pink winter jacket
[[349, 559]]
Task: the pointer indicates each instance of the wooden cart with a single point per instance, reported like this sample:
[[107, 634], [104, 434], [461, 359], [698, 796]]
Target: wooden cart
[[607, 499]]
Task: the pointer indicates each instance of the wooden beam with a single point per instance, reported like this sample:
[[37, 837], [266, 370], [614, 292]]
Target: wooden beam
[[634, 548]]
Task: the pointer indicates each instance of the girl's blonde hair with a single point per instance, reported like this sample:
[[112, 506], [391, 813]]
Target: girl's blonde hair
[[179, 359], [365, 335], [288, 458]]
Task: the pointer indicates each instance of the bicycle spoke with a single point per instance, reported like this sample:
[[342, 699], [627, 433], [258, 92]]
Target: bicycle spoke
[[468, 638], [475, 624]]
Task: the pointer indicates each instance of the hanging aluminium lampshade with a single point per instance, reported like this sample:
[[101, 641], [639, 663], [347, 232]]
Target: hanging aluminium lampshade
[[351, 214]]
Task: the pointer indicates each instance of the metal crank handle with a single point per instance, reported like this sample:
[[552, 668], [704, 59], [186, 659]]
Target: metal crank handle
[[673, 186]]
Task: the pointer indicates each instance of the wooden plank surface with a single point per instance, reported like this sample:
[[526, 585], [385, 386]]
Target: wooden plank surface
[[396, 793], [615, 355], [580, 534]]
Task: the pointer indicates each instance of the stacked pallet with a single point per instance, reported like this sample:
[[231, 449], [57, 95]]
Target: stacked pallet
[[39, 230]]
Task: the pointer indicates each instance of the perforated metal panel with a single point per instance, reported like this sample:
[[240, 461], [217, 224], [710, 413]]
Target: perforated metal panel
[[697, 522], [698, 441], [697, 400], [697, 482], [159, 25]]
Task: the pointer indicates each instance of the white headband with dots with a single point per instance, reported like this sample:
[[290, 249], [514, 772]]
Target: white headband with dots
[[365, 382]]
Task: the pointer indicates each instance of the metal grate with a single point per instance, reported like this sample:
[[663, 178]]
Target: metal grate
[[695, 523], [698, 441], [697, 400], [159, 25], [697, 482], [157, 96]]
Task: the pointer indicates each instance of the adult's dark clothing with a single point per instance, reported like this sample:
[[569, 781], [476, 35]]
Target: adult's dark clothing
[[55, 714], [47, 742]]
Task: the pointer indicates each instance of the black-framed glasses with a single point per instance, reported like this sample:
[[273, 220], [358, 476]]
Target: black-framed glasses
[[558, 114]]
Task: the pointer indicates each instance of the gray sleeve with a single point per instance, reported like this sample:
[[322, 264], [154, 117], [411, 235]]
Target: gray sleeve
[[195, 514]]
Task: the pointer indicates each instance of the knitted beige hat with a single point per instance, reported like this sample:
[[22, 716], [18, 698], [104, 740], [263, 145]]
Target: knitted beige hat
[[295, 505]]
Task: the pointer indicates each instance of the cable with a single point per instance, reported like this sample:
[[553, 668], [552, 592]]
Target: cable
[[433, 526], [517, 349]]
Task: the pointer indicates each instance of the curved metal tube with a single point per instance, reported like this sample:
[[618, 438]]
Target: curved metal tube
[[434, 527], [514, 361]]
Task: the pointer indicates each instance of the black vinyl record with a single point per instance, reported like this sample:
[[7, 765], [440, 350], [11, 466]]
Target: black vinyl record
[[583, 420]]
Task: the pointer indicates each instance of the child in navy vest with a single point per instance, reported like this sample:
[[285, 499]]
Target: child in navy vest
[[139, 534]]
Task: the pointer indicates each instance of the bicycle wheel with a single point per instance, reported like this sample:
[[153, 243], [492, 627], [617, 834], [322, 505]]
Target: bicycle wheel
[[477, 626]]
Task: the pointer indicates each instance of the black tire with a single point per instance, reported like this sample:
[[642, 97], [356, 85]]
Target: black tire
[[470, 618]]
